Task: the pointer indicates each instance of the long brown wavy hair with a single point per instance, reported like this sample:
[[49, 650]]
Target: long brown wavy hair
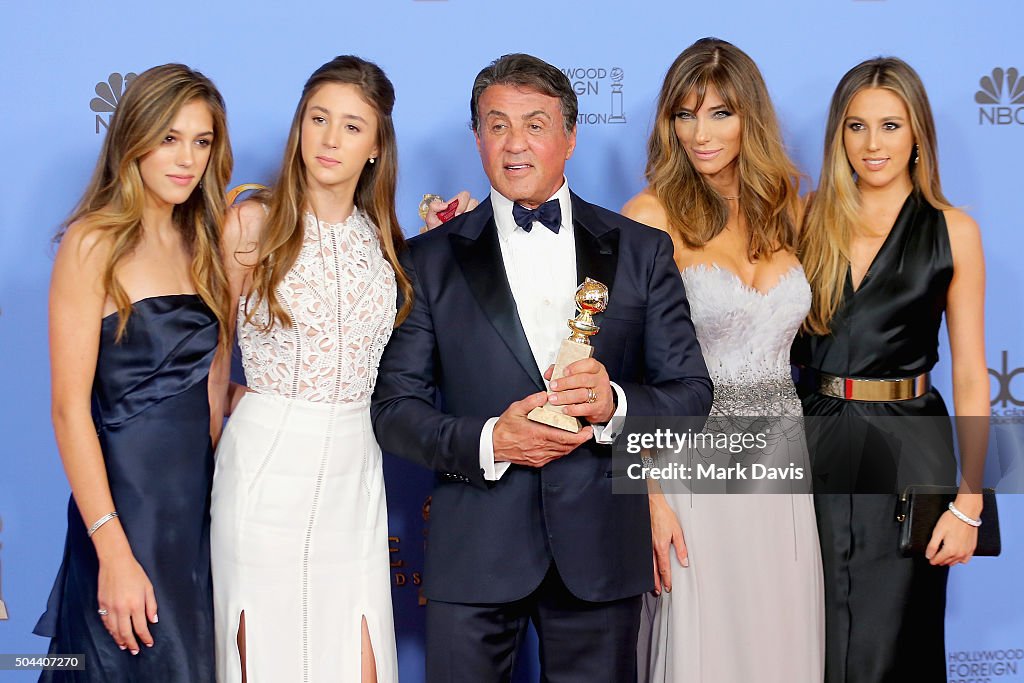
[[833, 214], [769, 181], [114, 199], [287, 201]]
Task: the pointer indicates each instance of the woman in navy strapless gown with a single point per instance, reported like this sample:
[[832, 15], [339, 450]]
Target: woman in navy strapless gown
[[131, 348]]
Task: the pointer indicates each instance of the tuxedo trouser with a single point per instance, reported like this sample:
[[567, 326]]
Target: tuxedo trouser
[[580, 641]]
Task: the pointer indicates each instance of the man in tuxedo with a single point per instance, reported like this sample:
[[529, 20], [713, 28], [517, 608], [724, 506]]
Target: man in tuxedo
[[524, 526]]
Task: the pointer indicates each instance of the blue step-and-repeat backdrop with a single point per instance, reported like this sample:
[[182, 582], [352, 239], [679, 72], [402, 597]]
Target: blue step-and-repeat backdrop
[[64, 63]]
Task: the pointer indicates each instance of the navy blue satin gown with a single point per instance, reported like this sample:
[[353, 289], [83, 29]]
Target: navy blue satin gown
[[151, 410]]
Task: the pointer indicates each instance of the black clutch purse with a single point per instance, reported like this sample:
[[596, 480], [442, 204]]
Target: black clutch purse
[[920, 508]]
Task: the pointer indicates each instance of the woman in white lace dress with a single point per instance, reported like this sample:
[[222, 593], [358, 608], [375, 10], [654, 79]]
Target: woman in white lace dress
[[299, 523], [739, 575]]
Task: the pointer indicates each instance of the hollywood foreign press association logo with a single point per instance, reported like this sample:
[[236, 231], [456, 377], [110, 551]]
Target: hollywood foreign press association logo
[[1006, 393], [988, 666], [1001, 96], [599, 90], [108, 96]]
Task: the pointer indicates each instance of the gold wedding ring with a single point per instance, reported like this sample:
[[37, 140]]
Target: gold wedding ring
[[591, 395]]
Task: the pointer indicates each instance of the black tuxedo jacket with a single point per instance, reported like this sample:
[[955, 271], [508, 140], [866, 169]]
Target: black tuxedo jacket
[[462, 357]]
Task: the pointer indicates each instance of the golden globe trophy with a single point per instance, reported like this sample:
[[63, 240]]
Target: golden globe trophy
[[591, 299], [424, 207]]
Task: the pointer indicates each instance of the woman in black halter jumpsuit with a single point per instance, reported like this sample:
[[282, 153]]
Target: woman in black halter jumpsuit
[[885, 612]]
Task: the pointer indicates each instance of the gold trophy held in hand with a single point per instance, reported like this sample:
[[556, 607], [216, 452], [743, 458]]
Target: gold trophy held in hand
[[591, 299]]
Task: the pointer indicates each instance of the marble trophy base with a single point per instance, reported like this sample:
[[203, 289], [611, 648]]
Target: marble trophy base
[[568, 353]]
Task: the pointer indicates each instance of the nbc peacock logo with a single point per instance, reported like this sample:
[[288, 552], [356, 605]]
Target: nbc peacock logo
[[1004, 396], [1001, 96], [108, 95]]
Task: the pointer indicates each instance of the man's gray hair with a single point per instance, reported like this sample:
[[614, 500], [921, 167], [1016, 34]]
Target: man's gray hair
[[526, 71]]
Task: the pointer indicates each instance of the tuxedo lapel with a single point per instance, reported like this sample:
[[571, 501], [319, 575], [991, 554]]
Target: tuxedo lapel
[[597, 245], [478, 254]]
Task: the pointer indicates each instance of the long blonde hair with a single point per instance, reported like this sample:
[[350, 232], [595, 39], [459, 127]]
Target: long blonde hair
[[283, 229], [833, 214], [769, 181], [114, 199]]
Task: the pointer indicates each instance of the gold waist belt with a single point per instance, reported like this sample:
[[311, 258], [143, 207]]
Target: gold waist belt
[[857, 389]]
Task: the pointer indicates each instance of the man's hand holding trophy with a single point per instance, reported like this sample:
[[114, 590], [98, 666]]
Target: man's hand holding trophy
[[591, 299]]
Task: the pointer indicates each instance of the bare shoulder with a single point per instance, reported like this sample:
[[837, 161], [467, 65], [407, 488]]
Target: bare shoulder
[[85, 244], [243, 228], [244, 222], [79, 269], [960, 224], [646, 208], [964, 237]]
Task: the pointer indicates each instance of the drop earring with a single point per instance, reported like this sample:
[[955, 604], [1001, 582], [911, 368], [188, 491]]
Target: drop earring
[[917, 153]]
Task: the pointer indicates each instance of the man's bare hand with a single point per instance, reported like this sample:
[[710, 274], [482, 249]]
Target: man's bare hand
[[522, 442], [442, 212], [583, 380]]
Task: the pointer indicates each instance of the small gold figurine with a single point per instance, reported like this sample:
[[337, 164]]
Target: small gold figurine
[[591, 299], [424, 208]]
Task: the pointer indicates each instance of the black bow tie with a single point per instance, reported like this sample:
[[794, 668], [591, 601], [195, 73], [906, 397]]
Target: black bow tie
[[549, 214]]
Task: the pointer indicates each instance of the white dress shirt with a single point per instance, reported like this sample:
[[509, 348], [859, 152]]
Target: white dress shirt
[[541, 270]]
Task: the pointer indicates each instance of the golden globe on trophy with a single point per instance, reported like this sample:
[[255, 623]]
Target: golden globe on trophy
[[424, 207], [591, 299]]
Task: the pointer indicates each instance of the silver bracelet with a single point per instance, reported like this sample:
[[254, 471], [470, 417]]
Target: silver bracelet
[[962, 517], [100, 522]]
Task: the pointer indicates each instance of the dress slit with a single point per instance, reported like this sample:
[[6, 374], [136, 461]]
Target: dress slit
[[240, 642], [364, 625]]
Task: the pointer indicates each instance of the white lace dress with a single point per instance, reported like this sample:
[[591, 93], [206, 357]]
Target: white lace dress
[[749, 608], [299, 522]]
